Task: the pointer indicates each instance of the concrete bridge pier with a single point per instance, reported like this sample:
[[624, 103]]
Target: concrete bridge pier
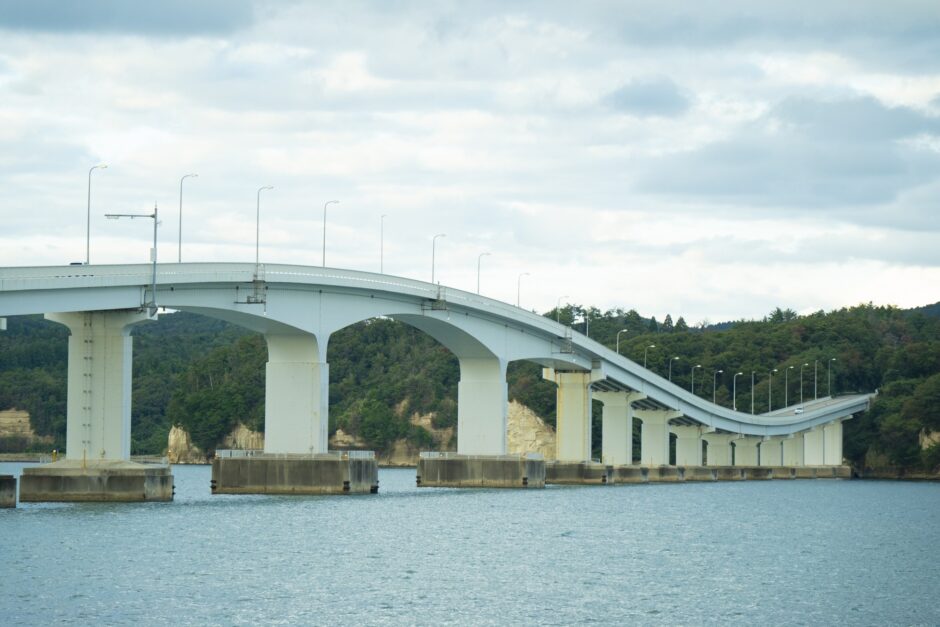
[[745, 451], [97, 464], [654, 435], [813, 450], [617, 426], [793, 450], [296, 457], [481, 460], [719, 448], [688, 445], [832, 444], [771, 452], [573, 461]]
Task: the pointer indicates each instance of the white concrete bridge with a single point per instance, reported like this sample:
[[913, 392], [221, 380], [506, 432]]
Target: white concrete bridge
[[297, 308]]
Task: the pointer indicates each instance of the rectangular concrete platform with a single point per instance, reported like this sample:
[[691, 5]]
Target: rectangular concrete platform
[[7, 491], [327, 473], [577, 473], [96, 481], [674, 474], [629, 474], [451, 470]]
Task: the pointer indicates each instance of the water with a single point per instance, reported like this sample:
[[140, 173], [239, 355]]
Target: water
[[782, 552]]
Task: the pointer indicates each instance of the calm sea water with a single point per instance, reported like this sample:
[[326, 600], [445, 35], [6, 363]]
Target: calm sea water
[[758, 553]]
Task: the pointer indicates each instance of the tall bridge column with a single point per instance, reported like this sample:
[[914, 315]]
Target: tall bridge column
[[813, 450], [719, 448], [654, 435], [97, 464], [688, 445], [617, 426], [572, 413], [771, 452], [296, 396], [793, 450], [745, 451], [832, 445], [482, 405]]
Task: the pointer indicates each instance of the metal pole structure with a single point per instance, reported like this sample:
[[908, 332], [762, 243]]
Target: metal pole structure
[[434, 253], [801, 384], [829, 377], [587, 322], [770, 390], [815, 381], [519, 288], [558, 308], [179, 248], [258, 225], [786, 386], [693, 376], [618, 339], [382, 244], [328, 202], [670, 367], [479, 259], [644, 353], [715, 384], [152, 305], [752, 392], [734, 388], [101, 166]]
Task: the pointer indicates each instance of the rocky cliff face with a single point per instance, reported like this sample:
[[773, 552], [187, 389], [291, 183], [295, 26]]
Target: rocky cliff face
[[15, 428], [181, 450], [527, 433]]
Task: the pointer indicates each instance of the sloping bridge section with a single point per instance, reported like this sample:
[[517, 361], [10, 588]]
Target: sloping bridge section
[[298, 308]]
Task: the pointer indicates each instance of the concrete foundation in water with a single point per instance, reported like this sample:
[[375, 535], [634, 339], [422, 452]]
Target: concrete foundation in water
[[7, 491], [103, 481], [480, 471], [575, 473], [674, 474], [329, 473]]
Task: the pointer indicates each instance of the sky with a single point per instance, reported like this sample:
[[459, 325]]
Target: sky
[[711, 160]]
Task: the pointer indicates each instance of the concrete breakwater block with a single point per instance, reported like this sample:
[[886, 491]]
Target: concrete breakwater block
[[578, 473], [328, 473], [480, 471], [783, 472], [699, 473], [7, 491], [629, 474], [104, 481], [757, 473], [730, 473], [665, 474]]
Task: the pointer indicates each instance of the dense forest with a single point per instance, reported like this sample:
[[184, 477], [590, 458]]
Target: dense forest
[[207, 375]]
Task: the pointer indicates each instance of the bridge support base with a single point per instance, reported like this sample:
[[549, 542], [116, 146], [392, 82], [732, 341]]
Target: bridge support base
[[578, 473], [7, 491], [96, 481], [480, 471], [327, 473]]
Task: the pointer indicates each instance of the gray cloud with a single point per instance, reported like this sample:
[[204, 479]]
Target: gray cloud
[[168, 17], [658, 96]]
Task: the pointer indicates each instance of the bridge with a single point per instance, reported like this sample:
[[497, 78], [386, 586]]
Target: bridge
[[298, 308]]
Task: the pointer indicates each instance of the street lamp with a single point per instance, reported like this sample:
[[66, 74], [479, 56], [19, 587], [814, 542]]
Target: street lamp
[[328, 202], [152, 305], [734, 390], [693, 376], [715, 384], [519, 288], [786, 386], [179, 258], [801, 384], [382, 244], [752, 392], [100, 166], [618, 339], [815, 368], [434, 252], [479, 259], [558, 308], [829, 377], [770, 390], [258, 225], [644, 353], [670, 367]]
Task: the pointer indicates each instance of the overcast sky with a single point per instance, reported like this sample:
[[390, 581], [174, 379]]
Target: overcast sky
[[710, 160]]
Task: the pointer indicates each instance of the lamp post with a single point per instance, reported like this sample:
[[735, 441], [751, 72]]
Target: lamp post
[[587, 322], [434, 253], [752, 392], [179, 258], [829, 377], [801, 384], [734, 390], [328, 202], [644, 353], [786, 386], [382, 244], [152, 305], [693, 376], [618, 339], [715, 384], [815, 368], [258, 224], [519, 288], [558, 308], [670, 367], [100, 166], [770, 390], [479, 259]]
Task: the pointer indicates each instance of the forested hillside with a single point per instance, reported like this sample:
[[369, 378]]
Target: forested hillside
[[207, 375]]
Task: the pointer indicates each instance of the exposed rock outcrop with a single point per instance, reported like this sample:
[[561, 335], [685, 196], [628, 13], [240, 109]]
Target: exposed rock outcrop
[[527, 433], [242, 437], [14, 424], [181, 450]]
